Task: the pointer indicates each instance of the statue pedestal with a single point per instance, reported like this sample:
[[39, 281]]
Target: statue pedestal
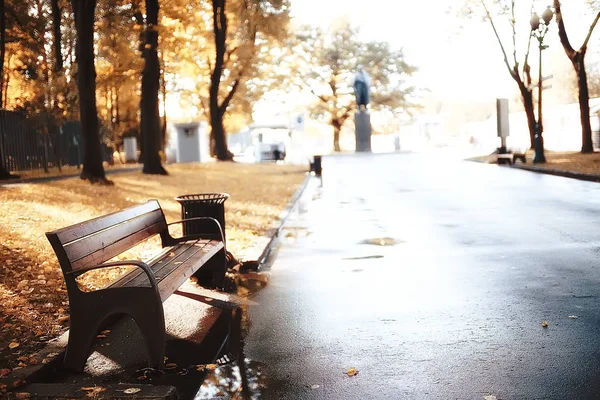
[[362, 125]]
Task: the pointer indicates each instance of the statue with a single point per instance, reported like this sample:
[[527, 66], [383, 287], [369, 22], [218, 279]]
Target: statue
[[362, 83]]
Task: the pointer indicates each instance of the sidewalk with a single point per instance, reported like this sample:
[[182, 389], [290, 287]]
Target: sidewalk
[[567, 164]]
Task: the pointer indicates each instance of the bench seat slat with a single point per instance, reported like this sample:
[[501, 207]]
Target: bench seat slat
[[137, 277], [187, 257]]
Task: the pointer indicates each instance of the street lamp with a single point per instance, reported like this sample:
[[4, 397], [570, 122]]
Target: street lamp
[[539, 28]]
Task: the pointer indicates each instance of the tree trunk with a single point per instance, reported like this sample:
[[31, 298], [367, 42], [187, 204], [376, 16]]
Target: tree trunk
[[337, 128], [217, 134], [58, 57], [163, 84], [2, 49], [577, 57], [150, 88], [86, 83], [57, 45], [527, 98], [587, 146]]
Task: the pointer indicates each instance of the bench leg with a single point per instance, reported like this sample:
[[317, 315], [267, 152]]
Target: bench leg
[[141, 304], [153, 331], [148, 314], [82, 332], [212, 274], [220, 269]]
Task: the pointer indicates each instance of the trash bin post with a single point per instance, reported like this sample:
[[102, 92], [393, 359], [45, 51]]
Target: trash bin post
[[203, 205], [315, 165]]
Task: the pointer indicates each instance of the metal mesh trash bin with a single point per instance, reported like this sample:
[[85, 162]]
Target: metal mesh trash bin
[[203, 205]]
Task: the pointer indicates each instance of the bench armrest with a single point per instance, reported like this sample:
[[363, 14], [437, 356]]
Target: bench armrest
[[197, 235], [145, 267]]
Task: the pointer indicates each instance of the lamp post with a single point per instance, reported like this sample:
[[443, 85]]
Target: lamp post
[[539, 28]]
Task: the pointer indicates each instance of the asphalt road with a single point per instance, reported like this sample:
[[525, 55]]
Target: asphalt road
[[432, 278]]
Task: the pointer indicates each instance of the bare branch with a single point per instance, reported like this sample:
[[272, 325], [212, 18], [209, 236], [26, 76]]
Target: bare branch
[[514, 32], [322, 98], [562, 32], [587, 39], [489, 17]]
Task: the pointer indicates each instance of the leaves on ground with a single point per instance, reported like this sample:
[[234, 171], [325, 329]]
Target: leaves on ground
[[545, 324], [352, 372], [33, 295], [132, 390], [573, 316]]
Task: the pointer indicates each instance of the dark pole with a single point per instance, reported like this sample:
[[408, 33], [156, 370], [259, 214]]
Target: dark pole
[[538, 138]]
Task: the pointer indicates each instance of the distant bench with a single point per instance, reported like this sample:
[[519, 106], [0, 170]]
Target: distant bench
[[140, 293], [511, 157]]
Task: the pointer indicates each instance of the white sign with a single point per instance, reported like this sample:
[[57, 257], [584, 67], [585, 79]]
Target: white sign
[[502, 117]]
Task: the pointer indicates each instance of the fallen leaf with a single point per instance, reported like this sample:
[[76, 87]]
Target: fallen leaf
[[211, 366], [13, 345], [314, 387], [170, 365], [18, 383], [544, 324], [573, 316], [100, 336], [87, 389], [132, 390], [4, 371], [23, 395], [62, 319], [352, 372], [106, 331]]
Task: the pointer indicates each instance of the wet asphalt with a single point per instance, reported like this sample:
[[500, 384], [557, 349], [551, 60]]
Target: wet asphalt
[[432, 277]]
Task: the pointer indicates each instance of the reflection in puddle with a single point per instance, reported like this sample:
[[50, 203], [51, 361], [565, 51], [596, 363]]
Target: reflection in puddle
[[232, 382], [384, 241], [363, 258], [237, 377]]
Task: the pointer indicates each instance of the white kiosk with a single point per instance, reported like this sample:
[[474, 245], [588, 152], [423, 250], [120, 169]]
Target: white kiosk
[[188, 142]]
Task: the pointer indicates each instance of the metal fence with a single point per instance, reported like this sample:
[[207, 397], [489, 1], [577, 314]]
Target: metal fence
[[37, 142]]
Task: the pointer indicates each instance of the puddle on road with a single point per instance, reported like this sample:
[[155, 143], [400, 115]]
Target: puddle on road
[[383, 241], [235, 376], [363, 257]]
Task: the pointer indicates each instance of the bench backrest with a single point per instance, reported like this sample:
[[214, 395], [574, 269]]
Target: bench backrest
[[98, 240]]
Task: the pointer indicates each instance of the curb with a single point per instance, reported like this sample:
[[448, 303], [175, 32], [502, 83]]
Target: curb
[[558, 172], [274, 234]]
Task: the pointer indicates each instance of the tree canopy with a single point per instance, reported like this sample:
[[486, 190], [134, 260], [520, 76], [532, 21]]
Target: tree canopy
[[324, 61]]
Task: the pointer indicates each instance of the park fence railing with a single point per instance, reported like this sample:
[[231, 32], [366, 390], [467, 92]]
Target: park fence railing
[[30, 143]]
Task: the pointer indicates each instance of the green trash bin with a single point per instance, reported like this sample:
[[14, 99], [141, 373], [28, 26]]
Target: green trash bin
[[203, 205]]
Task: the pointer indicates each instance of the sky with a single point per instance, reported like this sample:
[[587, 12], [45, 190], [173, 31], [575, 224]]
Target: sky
[[430, 38], [464, 64]]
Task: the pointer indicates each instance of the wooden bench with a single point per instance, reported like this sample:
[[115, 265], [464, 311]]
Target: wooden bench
[[140, 293]]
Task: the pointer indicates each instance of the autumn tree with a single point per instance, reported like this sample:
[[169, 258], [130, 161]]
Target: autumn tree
[[519, 71], [325, 61], [256, 25], [84, 12], [150, 126], [118, 66], [577, 58]]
